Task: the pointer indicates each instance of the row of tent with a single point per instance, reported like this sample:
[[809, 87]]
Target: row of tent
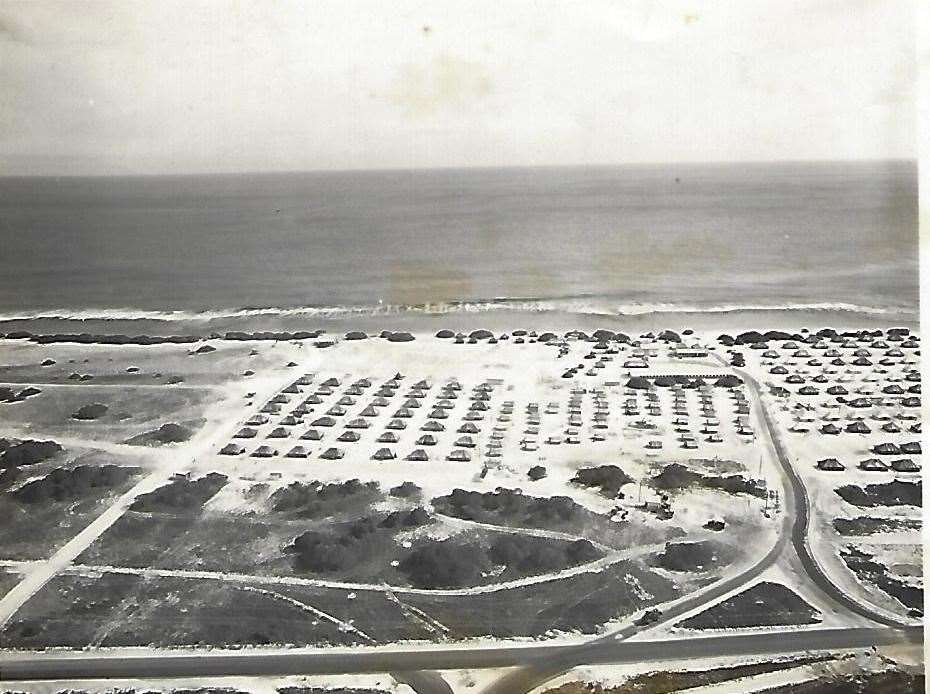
[[418, 454], [870, 465]]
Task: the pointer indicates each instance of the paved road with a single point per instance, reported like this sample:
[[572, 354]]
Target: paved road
[[94, 665], [795, 521], [800, 528]]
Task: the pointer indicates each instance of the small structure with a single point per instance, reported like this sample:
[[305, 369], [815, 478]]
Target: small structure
[[232, 449], [904, 465], [830, 465]]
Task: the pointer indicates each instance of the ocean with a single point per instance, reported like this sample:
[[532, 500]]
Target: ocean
[[604, 240]]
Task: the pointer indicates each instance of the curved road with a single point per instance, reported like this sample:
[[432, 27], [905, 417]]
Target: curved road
[[801, 525], [796, 513], [537, 664]]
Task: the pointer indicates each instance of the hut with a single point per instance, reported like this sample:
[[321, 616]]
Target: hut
[[278, 433], [858, 427], [911, 448], [246, 433], [459, 455], [349, 436], [313, 400], [426, 440], [891, 428], [444, 335], [264, 452], [411, 403], [873, 465], [830, 429], [465, 442], [437, 413], [886, 449], [232, 449], [473, 416], [808, 390], [384, 454], [297, 452], [336, 411], [332, 382], [323, 422], [468, 428], [387, 437], [358, 423], [778, 370], [904, 465], [346, 400], [356, 335], [396, 424], [417, 455], [332, 454], [311, 435], [837, 390], [830, 465], [432, 425], [369, 412], [256, 420], [404, 413]]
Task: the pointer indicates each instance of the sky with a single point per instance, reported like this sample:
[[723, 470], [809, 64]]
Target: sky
[[133, 87]]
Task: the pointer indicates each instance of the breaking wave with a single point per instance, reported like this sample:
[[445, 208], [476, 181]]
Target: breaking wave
[[575, 305]]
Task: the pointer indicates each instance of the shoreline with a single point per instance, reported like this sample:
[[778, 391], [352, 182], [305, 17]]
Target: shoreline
[[423, 323]]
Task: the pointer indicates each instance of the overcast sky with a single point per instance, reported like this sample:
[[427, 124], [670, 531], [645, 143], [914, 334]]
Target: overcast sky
[[173, 87]]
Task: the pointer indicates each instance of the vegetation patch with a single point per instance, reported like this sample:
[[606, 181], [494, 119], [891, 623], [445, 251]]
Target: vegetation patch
[[864, 525], [29, 452], [694, 556], [180, 495], [894, 493], [511, 507], [892, 681], [670, 682], [675, 477], [76, 483], [317, 500], [92, 411], [862, 564], [607, 478], [166, 433], [344, 546], [363, 549], [765, 604]]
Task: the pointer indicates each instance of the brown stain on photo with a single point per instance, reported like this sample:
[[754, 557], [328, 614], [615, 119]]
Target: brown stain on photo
[[443, 83]]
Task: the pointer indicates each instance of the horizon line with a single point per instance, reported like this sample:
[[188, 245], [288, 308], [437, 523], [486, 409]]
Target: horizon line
[[481, 167]]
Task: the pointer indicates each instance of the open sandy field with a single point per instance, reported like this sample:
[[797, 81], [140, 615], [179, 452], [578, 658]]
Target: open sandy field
[[439, 489]]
